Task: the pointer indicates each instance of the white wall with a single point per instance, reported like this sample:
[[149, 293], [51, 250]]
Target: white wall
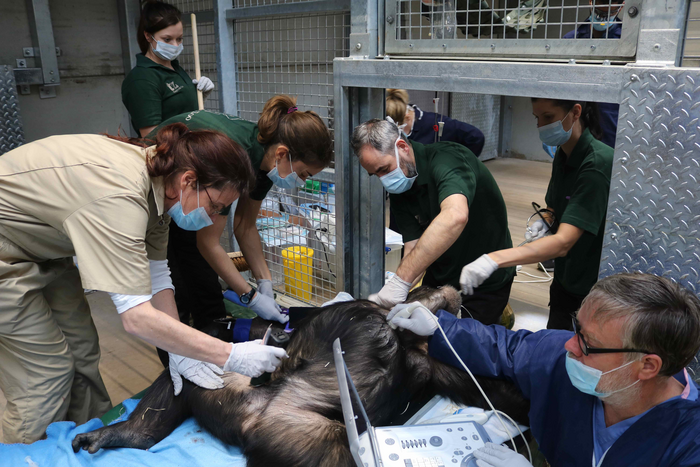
[[88, 99]]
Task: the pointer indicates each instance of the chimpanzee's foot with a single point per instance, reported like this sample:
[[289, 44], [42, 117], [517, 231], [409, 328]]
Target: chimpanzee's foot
[[114, 436]]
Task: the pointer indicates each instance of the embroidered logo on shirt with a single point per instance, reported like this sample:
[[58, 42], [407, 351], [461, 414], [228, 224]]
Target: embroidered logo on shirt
[[173, 87]]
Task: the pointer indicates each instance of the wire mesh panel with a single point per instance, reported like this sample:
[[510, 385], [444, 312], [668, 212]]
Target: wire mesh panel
[[691, 49], [482, 111], [536, 28], [247, 3], [290, 55], [206, 34], [294, 55], [298, 233]]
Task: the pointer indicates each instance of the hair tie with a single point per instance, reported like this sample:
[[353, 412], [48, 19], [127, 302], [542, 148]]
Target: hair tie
[[291, 109]]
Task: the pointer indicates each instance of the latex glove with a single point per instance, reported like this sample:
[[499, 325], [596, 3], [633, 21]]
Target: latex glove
[[537, 230], [203, 374], [495, 455], [204, 84], [253, 359], [267, 308], [421, 321], [395, 291], [265, 287], [475, 273]]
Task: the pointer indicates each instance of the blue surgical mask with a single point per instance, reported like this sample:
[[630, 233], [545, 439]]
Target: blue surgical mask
[[602, 23], [586, 379], [167, 51], [396, 182], [195, 220], [554, 134], [290, 181]]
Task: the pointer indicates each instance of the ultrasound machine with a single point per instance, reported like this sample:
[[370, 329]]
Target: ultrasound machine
[[434, 445]]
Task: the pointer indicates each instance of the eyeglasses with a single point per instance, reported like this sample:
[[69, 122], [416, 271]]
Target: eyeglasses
[[213, 205], [587, 349]]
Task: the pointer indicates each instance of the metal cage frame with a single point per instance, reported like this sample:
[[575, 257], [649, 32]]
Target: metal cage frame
[[541, 48]]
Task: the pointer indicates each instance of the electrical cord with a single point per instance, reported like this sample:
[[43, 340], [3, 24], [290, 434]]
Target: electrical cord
[[497, 412], [522, 435], [540, 279]]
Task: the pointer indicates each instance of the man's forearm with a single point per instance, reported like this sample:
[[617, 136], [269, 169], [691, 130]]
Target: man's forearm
[[437, 238]]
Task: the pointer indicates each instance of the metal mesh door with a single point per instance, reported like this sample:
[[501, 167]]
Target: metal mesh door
[[294, 55]]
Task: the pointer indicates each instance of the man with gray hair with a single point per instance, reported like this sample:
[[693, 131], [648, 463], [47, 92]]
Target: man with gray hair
[[614, 392], [435, 189]]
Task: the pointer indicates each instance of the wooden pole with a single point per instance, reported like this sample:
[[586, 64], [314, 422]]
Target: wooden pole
[[197, 72]]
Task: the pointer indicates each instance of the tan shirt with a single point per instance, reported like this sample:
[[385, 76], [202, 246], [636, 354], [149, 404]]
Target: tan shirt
[[88, 196]]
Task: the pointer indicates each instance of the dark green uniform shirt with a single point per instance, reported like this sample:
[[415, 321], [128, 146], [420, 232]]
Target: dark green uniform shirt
[[578, 193], [153, 93], [445, 169], [241, 131]]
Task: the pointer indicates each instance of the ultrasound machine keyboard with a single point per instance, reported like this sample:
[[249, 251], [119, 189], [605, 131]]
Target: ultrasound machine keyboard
[[434, 445]]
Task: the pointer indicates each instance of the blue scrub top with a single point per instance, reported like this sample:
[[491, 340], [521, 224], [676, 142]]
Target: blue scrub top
[[453, 130], [561, 416]]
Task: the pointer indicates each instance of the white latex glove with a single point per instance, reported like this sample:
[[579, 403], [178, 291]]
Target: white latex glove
[[253, 359], [267, 308], [203, 374], [475, 273], [421, 321], [537, 230], [395, 291], [495, 455], [204, 84]]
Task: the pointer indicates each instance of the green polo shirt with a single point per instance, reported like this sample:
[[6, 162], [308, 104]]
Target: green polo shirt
[[153, 93], [445, 169], [578, 193], [241, 131]]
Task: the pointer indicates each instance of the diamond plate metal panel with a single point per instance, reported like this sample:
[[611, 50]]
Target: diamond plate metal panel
[[653, 216], [11, 130]]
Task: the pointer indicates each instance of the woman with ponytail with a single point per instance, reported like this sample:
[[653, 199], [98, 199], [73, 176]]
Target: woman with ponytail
[[285, 147], [419, 125], [577, 202], [108, 201]]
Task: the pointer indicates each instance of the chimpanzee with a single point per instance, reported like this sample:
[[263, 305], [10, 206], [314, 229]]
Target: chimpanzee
[[296, 419]]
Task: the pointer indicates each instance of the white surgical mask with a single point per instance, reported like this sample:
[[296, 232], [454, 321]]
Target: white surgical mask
[[166, 51]]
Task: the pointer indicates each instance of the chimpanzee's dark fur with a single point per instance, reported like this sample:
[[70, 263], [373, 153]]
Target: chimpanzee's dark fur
[[296, 419]]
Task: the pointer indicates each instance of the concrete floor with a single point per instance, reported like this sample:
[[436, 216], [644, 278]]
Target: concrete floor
[[129, 365]]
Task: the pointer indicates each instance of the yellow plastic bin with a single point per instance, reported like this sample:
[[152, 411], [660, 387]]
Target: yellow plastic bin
[[297, 262]]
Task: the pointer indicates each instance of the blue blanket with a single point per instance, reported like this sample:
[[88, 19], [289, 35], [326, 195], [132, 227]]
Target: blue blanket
[[188, 446]]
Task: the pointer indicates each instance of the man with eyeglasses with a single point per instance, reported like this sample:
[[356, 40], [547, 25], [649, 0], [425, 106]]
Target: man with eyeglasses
[[614, 392]]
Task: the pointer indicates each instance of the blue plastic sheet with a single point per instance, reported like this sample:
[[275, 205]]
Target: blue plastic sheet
[[188, 446]]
